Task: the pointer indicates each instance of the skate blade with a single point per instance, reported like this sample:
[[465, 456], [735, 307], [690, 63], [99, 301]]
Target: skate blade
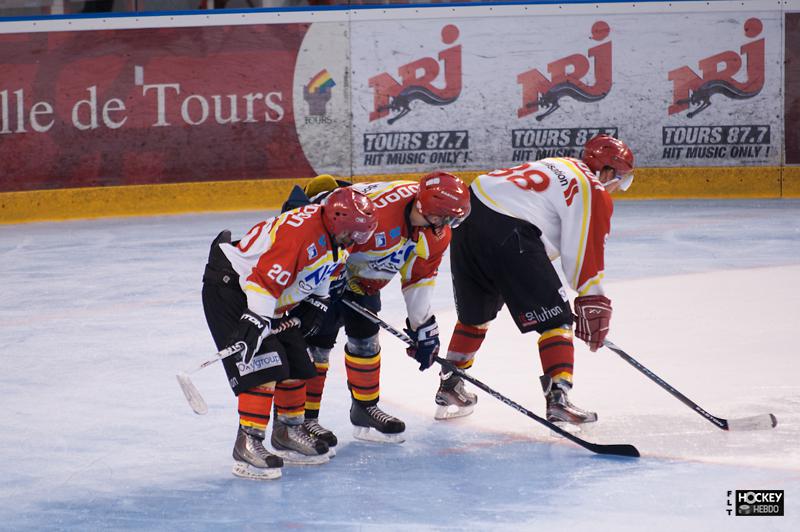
[[452, 411], [245, 470], [573, 428], [295, 458], [375, 436], [566, 427]]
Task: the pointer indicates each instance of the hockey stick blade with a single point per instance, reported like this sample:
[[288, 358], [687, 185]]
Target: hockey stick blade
[[620, 449], [192, 394], [760, 422], [614, 449]]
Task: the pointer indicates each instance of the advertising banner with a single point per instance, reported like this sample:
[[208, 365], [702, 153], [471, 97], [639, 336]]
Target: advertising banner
[[792, 112], [167, 105], [699, 89]]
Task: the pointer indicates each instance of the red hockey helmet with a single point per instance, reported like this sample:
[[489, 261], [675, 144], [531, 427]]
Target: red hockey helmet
[[346, 211], [604, 150], [443, 195]]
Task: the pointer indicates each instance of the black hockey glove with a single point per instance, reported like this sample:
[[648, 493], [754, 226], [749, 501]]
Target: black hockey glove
[[311, 312], [426, 339], [336, 290], [249, 334]]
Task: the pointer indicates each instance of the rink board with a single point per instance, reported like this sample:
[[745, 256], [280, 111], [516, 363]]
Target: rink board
[[176, 101]]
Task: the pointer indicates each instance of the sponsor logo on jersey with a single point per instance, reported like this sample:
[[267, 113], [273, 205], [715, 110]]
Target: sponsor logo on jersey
[[312, 251], [534, 317], [322, 242], [318, 275], [569, 186], [305, 287], [259, 362], [393, 261], [416, 82], [717, 75], [380, 240], [394, 232], [540, 93]]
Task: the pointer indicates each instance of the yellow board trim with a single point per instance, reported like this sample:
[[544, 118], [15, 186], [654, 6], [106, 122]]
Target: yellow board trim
[[269, 194], [790, 182]]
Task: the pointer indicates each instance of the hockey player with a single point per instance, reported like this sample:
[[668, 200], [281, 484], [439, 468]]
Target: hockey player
[[281, 265], [522, 219], [414, 222]]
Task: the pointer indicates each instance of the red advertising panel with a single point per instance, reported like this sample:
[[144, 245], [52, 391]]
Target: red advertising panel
[[792, 88], [162, 105]]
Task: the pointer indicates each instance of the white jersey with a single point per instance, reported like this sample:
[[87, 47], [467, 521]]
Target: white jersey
[[566, 202]]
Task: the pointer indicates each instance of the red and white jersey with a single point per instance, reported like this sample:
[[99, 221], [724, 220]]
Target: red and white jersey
[[397, 246], [564, 199], [283, 260]]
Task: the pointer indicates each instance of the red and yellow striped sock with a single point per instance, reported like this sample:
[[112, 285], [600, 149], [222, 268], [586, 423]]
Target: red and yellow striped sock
[[557, 354], [255, 406], [363, 376], [314, 389], [464, 343], [290, 400]]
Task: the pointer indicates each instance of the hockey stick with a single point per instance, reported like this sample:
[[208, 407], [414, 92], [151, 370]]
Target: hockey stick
[[760, 422], [191, 392], [613, 449]]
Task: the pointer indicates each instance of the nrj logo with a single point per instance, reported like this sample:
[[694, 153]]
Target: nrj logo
[[718, 71], [567, 75], [416, 82], [318, 92]]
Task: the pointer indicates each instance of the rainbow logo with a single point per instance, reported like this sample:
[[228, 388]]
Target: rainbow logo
[[321, 82]]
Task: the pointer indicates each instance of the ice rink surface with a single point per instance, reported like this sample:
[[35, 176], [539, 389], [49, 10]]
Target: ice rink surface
[[96, 317]]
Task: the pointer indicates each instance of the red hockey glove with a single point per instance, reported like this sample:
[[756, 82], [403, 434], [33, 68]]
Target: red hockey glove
[[593, 315], [365, 287]]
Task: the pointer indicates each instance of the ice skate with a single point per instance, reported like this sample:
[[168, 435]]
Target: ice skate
[[452, 399], [297, 446], [559, 409], [370, 423], [313, 427], [252, 460]]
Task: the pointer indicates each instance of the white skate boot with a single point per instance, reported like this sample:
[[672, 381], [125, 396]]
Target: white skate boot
[[452, 399], [297, 446], [559, 409], [252, 460]]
